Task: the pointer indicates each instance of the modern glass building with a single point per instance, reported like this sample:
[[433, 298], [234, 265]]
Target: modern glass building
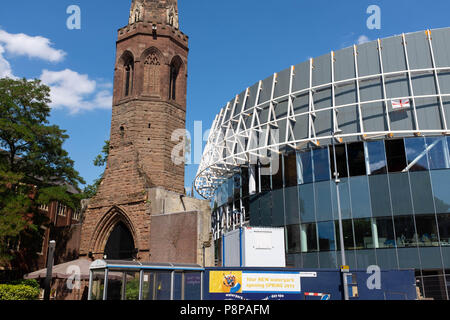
[[380, 110]]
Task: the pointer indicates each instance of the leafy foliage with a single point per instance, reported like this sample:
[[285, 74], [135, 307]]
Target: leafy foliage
[[100, 161], [34, 167], [18, 292]]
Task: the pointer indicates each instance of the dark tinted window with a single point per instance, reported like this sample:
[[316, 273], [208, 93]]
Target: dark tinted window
[[438, 155], [264, 171], [245, 179], [395, 154], [427, 231], [347, 230], [377, 157], [326, 236], [363, 234], [415, 154], [356, 159], [405, 231], [304, 167], [277, 174], [293, 238], [321, 165], [383, 232], [290, 170], [341, 160], [308, 237], [444, 228]]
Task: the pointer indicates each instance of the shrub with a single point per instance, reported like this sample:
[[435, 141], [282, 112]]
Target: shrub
[[26, 282], [18, 292]]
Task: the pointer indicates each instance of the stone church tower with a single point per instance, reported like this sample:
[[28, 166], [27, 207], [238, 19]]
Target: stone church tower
[[140, 210]]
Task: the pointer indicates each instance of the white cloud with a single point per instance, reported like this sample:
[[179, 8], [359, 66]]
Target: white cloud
[[5, 67], [75, 91], [34, 47], [363, 39]]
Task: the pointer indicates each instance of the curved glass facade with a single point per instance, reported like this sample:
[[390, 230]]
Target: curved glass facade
[[378, 115], [394, 198]]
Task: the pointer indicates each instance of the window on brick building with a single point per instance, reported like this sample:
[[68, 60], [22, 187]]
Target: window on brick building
[[175, 67]]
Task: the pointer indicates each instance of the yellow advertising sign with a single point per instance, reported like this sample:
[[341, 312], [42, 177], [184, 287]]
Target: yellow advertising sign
[[242, 282], [225, 282]]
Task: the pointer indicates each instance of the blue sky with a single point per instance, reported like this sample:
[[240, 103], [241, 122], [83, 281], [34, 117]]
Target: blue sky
[[233, 44]]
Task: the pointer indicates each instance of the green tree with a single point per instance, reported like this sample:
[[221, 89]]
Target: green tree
[[34, 167], [100, 161]]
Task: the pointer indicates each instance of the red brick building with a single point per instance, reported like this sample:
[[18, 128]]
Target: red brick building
[[140, 210], [30, 251]]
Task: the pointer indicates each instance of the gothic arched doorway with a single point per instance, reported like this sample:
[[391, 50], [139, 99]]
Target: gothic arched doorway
[[120, 244]]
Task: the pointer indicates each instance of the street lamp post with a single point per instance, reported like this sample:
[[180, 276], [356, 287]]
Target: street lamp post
[[48, 278], [341, 230]]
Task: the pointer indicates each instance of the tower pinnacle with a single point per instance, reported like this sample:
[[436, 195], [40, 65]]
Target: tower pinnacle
[[155, 11]]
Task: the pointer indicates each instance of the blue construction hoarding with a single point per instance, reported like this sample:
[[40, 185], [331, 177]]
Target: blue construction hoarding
[[305, 284]]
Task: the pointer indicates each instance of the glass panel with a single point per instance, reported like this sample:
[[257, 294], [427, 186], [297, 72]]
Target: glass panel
[[278, 208], [148, 286], [322, 195], [306, 201], [377, 157], [363, 234], [356, 159], [98, 280], [379, 196], [277, 175], [383, 232], [293, 238], [265, 178], [178, 290], [236, 186], [421, 192], [291, 204], [162, 285], [427, 231], [387, 259], [365, 258], [290, 170], [255, 213], [245, 185], [395, 154], [359, 188], [115, 282], [344, 192], [308, 237], [347, 230], [328, 260], [405, 231], [444, 229], [230, 183], [438, 156], [441, 184], [341, 161], [326, 236], [266, 209], [192, 285], [304, 167], [132, 288], [400, 193], [416, 154], [321, 165]]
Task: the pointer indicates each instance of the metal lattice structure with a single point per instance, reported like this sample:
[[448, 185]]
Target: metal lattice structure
[[350, 94]]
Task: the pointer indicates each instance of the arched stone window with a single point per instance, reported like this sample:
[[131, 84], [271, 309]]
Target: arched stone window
[[128, 75], [175, 67], [152, 68], [120, 244]]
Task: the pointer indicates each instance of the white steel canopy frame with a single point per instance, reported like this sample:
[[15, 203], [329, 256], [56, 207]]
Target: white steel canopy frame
[[241, 136]]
